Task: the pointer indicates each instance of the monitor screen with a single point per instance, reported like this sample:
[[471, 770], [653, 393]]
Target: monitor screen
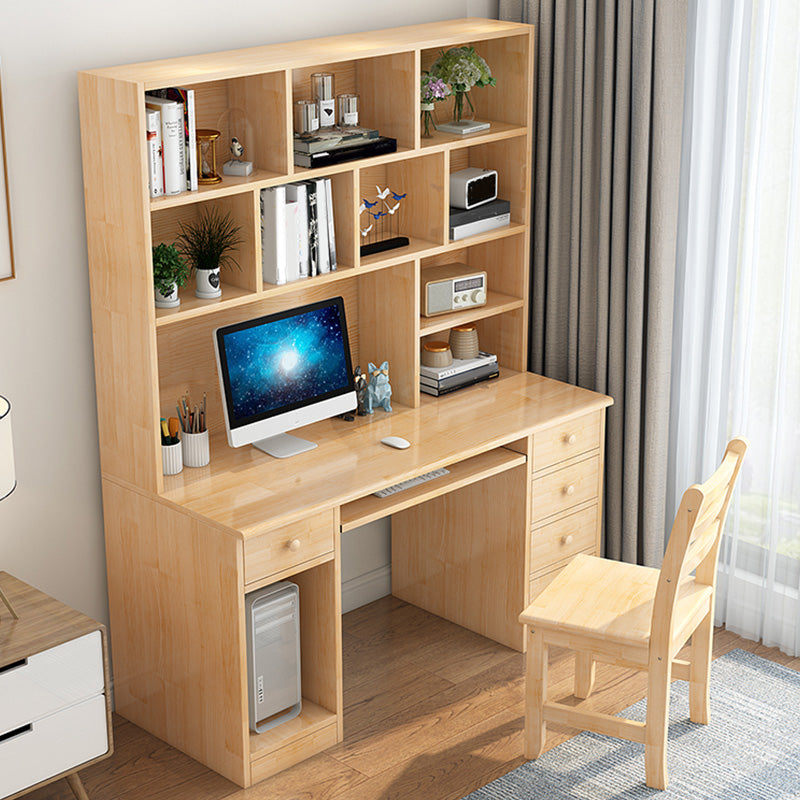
[[285, 369]]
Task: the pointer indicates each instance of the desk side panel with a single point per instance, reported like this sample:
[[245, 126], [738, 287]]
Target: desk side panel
[[176, 597], [462, 556]]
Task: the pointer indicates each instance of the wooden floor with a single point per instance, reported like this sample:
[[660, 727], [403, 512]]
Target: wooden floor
[[432, 711]]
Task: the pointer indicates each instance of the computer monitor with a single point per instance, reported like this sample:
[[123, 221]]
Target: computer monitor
[[282, 371]]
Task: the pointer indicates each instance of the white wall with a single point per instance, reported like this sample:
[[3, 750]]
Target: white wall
[[51, 532]]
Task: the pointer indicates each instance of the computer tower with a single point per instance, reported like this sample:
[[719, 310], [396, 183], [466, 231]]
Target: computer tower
[[273, 655]]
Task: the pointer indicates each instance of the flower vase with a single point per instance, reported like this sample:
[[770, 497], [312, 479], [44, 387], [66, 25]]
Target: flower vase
[[428, 120], [459, 112]]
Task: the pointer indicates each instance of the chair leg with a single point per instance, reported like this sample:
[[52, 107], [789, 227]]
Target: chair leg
[[700, 671], [655, 747], [584, 675], [535, 695]]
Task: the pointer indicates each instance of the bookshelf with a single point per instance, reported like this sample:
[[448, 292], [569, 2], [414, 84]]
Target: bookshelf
[[182, 551]]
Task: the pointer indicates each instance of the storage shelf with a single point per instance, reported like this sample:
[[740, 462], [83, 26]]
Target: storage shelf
[[496, 303], [229, 185], [471, 470], [310, 719], [447, 141]]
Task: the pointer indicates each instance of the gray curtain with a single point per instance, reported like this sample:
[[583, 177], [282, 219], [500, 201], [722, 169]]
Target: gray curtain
[[608, 108]]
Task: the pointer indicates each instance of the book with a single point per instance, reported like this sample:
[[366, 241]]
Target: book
[[331, 231], [173, 146], [273, 234], [332, 139], [458, 365], [323, 247], [327, 158], [297, 193], [155, 162], [477, 378], [313, 230], [459, 378], [292, 233], [186, 96], [461, 216]]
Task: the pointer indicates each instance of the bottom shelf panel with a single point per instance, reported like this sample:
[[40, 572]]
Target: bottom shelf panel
[[314, 730]]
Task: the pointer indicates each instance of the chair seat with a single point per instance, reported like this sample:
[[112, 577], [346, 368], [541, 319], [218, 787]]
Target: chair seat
[[597, 597]]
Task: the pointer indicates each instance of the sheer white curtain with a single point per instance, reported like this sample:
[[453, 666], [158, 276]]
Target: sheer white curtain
[[737, 319]]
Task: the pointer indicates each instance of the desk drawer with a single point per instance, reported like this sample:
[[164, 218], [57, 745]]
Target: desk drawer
[[55, 744], [51, 680], [566, 440], [563, 538], [288, 546], [565, 488]]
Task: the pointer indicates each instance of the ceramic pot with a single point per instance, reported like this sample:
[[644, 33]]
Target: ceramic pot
[[169, 300], [207, 285]]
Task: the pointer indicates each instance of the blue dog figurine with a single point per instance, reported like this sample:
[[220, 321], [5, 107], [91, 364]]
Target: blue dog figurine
[[378, 390]]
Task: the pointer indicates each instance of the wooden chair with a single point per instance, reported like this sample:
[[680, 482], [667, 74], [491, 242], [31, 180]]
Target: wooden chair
[[635, 617]]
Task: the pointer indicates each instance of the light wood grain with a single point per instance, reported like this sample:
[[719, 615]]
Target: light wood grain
[[565, 488], [563, 538]]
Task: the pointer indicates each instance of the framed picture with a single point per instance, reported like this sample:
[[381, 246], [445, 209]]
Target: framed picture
[[6, 244]]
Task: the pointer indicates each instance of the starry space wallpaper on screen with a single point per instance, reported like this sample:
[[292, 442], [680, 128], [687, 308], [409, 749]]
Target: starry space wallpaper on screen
[[285, 362]]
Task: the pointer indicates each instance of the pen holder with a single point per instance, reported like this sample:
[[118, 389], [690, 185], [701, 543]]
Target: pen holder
[[195, 449], [171, 458]]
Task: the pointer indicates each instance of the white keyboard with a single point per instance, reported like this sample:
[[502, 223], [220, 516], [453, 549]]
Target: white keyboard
[[411, 482]]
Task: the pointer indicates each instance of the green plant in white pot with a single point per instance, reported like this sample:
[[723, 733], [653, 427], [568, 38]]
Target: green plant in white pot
[[170, 272], [208, 243]]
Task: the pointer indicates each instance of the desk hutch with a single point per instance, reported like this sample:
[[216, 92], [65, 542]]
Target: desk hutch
[[524, 452]]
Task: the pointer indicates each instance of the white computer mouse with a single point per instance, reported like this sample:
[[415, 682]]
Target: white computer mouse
[[398, 442]]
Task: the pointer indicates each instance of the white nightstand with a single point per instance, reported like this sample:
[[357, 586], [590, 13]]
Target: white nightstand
[[55, 712]]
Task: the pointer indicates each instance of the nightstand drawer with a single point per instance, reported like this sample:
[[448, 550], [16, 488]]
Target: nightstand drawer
[[63, 741], [51, 680], [561, 490], [566, 440], [288, 546], [563, 538]]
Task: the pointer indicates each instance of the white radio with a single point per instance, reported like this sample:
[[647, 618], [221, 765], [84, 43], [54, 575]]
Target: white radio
[[451, 287]]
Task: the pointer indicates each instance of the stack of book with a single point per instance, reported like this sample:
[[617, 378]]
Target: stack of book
[[462, 372], [171, 141], [297, 233], [338, 145], [472, 221]]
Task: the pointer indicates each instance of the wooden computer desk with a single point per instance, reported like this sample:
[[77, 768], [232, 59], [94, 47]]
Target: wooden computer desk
[[525, 455]]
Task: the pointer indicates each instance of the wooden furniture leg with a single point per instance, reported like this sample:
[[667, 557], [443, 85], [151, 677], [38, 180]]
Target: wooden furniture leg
[[584, 675], [535, 695], [655, 746], [700, 671], [75, 783]]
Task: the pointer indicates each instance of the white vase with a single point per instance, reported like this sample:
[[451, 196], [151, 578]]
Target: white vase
[[207, 285], [169, 300]]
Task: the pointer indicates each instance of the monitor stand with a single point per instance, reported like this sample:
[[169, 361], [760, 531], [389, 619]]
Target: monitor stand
[[284, 445]]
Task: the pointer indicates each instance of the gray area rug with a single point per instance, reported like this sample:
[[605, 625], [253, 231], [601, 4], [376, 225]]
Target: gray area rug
[[750, 751]]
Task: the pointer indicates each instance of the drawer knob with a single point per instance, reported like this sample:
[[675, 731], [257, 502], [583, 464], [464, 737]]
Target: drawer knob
[[566, 539], [293, 545], [572, 438], [569, 490]]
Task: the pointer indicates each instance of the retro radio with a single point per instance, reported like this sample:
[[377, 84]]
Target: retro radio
[[451, 287]]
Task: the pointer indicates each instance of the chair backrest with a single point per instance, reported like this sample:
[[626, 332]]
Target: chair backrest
[[694, 541]]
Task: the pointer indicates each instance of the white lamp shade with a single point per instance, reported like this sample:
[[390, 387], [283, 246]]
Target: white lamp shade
[[8, 478]]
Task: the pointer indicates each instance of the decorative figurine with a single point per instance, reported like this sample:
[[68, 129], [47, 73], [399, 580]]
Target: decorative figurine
[[378, 390], [382, 229], [360, 381], [236, 166]]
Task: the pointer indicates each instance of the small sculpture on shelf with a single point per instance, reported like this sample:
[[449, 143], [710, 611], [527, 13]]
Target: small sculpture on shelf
[[236, 166], [382, 229], [360, 380], [379, 389]]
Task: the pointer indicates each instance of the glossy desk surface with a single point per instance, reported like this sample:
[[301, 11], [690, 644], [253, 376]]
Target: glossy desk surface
[[249, 492]]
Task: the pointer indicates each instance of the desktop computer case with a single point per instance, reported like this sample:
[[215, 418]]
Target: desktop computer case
[[273, 655]]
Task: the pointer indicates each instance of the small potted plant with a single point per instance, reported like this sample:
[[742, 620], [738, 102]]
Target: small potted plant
[[170, 272], [462, 68], [431, 91], [208, 244]]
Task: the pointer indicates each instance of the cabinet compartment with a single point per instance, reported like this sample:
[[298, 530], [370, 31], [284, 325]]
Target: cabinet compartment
[[386, 87], [422, 214], [236, 283], [567, 440], [564, 538]]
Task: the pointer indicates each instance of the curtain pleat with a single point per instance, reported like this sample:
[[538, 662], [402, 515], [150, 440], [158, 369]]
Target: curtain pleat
[[608, 105]]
